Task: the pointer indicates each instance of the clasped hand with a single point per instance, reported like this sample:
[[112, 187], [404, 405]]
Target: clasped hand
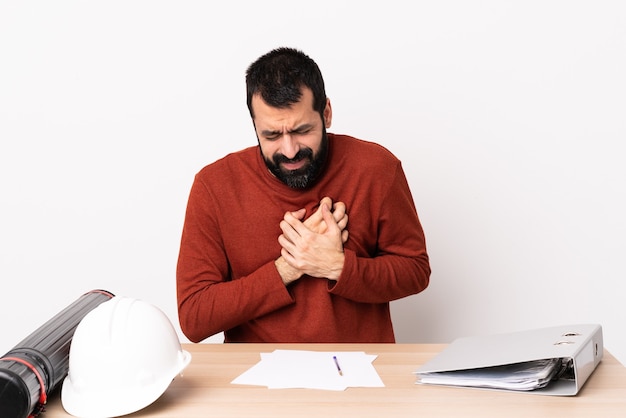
[[313, 246]]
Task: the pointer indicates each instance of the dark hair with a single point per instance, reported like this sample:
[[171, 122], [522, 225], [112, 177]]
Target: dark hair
[[279, 76]]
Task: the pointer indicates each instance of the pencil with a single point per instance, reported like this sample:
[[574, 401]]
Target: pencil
[[338, 367]]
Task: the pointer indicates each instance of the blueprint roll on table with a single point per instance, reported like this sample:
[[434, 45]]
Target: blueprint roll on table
[[39, 363]]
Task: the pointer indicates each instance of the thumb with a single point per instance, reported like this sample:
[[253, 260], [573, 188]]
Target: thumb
[[331, 223]]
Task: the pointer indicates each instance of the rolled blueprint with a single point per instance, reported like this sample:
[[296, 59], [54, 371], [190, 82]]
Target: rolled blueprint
[[38, 364]]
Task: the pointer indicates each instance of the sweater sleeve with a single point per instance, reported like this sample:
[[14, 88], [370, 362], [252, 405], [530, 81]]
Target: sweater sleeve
[[400, 266], [210, 302]]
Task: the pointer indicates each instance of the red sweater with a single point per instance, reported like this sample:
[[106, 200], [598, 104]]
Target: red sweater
[[226, 277]]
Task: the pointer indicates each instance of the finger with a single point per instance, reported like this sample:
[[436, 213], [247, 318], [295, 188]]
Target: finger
[[296, 225], [287, 257], [344, 236], [289, 233], [343, 222], [328, 218], [298, 214], [286, 244], [292, 218], [339, 210], [326, 201], [314, 220]]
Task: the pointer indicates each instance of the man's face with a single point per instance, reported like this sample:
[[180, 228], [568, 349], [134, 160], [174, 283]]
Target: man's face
[[293, 140]]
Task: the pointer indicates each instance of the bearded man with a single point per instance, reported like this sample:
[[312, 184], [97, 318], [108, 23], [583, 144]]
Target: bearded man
[[267, 253]]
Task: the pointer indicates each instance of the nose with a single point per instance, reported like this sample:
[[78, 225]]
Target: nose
[[289, 146]]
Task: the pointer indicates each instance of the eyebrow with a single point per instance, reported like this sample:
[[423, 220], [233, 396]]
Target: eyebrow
[[301, 128]]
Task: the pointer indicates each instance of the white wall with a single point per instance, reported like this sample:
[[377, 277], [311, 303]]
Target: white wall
[[508, 117]]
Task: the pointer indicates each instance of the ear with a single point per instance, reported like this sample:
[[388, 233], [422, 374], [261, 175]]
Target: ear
[[328, 114]]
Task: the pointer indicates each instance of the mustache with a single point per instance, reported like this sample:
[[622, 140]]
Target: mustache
[[303, 153]]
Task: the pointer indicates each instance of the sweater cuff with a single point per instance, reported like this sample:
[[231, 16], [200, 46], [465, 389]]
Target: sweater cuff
[[274, 285], [342, 285]]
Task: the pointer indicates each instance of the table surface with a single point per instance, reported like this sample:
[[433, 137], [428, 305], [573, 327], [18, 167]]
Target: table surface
[[204, 390]]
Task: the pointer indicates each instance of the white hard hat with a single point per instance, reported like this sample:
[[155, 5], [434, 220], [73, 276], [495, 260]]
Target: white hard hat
[[123, 356]]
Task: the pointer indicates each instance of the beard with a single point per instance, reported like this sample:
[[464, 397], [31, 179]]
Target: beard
[[306, 175]]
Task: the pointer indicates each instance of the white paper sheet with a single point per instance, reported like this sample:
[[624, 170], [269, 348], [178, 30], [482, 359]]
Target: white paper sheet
[[283, 369]]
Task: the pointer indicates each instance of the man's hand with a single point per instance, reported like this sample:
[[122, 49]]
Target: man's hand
[[316, 221], [315, 246]]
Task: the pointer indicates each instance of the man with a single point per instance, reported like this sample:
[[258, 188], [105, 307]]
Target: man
[[267, 253]]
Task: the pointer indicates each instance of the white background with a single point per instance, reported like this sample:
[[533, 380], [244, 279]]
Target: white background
[[509, 118]]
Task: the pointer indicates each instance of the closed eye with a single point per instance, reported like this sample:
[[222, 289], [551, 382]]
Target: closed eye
[[300, 130]]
